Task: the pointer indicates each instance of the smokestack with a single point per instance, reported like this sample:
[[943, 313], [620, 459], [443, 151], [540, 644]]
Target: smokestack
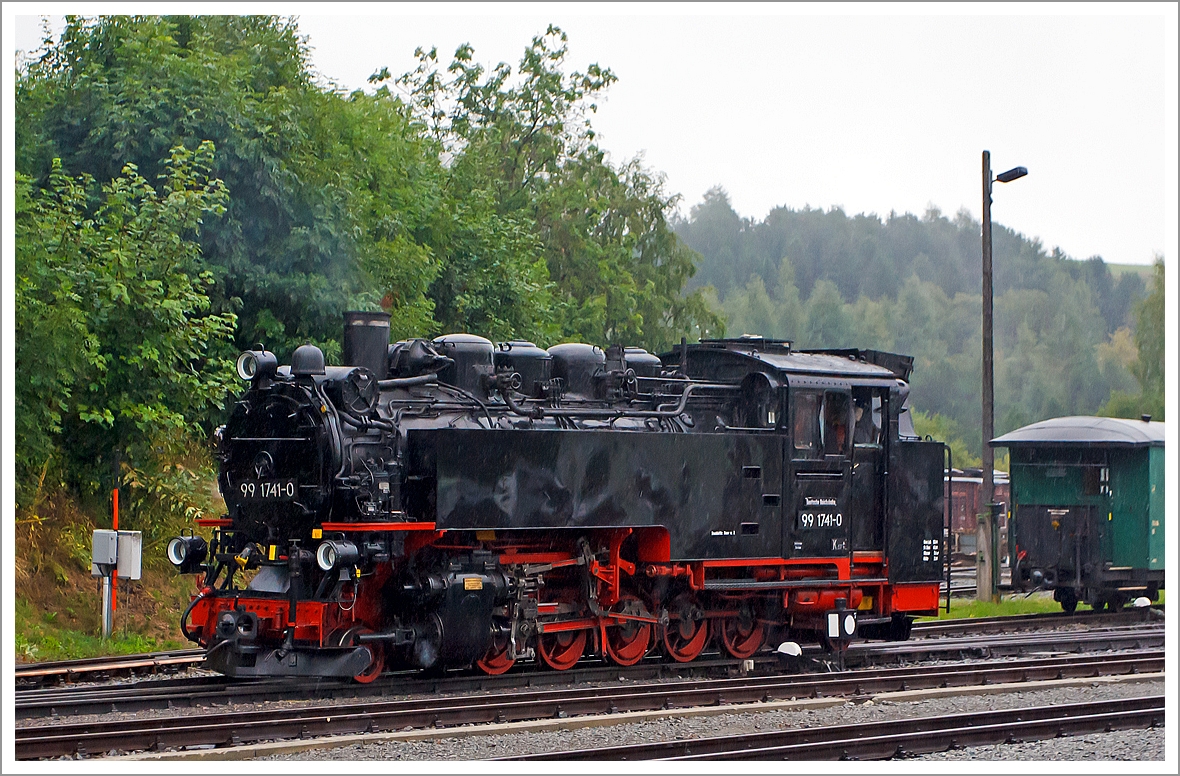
[[366, 341]]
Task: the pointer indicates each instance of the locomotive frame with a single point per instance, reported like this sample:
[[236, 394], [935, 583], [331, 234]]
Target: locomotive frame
[[453, 503]]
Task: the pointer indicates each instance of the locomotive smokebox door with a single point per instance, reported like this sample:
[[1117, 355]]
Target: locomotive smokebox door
[[915, 516]]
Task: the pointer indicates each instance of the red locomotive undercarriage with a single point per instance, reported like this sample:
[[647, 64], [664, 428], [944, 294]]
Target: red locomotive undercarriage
[[631, 608]]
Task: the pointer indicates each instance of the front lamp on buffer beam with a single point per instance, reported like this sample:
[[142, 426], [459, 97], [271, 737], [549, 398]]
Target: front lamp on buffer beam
[[187, 553]]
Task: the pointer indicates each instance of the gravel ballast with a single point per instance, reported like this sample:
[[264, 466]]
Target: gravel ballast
[[1123, 745]]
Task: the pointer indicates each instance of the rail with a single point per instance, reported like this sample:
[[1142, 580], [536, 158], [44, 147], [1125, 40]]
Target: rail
[[898, 737], [232, 728]]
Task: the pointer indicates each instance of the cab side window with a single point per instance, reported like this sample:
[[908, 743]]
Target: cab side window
[[821, 424], [866, 416], [806, 437], [836, 435]]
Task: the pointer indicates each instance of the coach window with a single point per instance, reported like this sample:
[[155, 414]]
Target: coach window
[[806, 436]]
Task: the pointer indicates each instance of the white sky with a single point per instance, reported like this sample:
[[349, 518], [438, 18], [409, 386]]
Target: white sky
[[871, 108]]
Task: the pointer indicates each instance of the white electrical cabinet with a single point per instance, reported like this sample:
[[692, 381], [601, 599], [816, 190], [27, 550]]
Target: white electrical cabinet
[[105, 551], [130, 554], [117, 551]]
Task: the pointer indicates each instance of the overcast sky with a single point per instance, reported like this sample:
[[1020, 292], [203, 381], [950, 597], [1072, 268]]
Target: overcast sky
[[867, 108]]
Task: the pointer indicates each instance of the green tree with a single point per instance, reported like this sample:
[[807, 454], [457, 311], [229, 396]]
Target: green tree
[[333, 195], [523, 141], [911, 284], [945, 429], [114, 329], [829, 324], [751, 311], [1148, 367], [754, 310], [1149, 340]]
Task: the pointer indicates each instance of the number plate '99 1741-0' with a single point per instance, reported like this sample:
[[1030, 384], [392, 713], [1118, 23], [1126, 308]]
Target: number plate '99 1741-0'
[[821, 520], [267, 490]]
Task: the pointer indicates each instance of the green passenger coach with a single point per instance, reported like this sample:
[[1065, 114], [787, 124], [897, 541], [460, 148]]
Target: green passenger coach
[[1087, 512]]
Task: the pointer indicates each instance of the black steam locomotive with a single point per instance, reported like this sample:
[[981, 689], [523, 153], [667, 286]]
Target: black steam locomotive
[[454, 503]]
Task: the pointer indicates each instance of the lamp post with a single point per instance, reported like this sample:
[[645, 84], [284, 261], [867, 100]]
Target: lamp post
[[986, 547]]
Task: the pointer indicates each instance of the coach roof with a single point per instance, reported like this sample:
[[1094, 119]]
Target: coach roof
[[1085, 431]]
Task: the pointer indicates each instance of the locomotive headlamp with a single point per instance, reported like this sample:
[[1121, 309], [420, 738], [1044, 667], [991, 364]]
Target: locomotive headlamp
[[337, 554], [187, 553], [256, 363]]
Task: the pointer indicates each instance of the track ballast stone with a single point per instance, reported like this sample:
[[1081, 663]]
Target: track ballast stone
[[1124, 745]]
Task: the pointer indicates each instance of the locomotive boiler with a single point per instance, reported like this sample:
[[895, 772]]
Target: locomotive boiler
[[454, 502]]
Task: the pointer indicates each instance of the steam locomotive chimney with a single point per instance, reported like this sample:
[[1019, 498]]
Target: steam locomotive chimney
[[366, 341]]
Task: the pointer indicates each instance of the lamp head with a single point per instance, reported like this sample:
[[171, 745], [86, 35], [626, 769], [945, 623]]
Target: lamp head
[[1010, 175]]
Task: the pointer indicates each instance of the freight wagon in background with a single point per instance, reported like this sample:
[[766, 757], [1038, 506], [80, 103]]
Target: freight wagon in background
[[1087, 512], [964, 497]]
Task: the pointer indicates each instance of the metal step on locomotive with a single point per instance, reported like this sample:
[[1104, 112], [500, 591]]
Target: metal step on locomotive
[[450, 503]]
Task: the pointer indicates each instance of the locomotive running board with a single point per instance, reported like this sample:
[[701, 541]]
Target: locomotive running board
[[781, 584]]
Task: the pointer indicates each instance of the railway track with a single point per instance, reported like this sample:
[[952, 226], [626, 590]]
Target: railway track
[[233, 728], [894, 738], [1000, 645], [929, 628], [99, 668], [215, 690], [211, 691], [34, 675]]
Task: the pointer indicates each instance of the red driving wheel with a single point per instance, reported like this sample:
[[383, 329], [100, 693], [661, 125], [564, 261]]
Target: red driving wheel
[[376, 667], [628, 642], [562, 650], [376, 664], [496, 661], [687, 632], [741, 635]]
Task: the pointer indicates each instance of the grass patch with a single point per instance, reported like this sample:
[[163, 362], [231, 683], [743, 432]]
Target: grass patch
[[1016, 603], [40, 637], [1037, 603], [58, 604]]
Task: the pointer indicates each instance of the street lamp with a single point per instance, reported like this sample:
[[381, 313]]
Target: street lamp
[[987, 567]]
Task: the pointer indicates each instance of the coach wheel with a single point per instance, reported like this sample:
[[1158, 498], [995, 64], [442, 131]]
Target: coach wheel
[[742, 634], [628, 642], [687, 632], [496, 661], [562, 650], [1068, 599]]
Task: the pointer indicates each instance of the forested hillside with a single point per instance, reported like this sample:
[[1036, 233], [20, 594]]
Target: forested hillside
[[1065, 330]]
